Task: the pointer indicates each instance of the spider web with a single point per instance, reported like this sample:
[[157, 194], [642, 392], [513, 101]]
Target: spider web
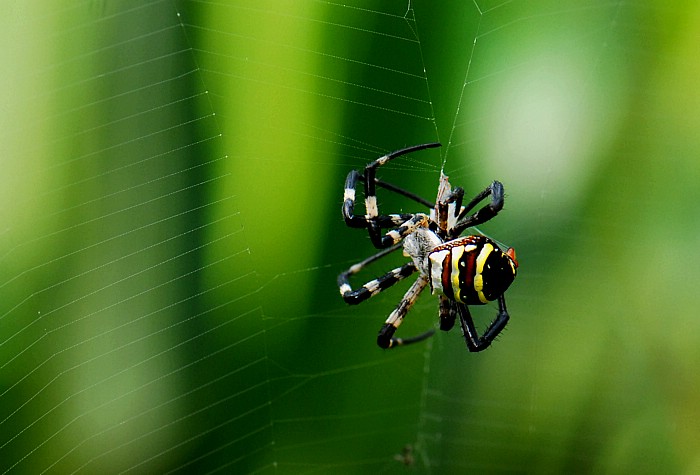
[[173, 174]]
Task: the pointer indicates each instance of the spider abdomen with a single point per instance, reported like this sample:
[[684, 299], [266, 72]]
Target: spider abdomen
[[472, 270]]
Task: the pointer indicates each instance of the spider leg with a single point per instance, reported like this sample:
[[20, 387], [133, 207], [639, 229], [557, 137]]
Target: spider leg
[[371, 171], [372, 220], [386, 339], [349, 216], [355, 221], [396, 235], [495, 190], [471, 336], [448, 313], [401, 191], [373, 287]]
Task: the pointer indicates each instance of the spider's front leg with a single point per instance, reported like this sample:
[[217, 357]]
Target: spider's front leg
[[370, 289], [471, 336], [386, 338], [373, 287], [372, 220], [447, 313]]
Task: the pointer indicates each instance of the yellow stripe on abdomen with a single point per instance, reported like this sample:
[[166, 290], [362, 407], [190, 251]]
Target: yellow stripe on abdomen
[[478, 275]]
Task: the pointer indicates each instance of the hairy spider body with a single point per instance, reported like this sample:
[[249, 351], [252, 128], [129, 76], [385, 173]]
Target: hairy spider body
[[470, 270]]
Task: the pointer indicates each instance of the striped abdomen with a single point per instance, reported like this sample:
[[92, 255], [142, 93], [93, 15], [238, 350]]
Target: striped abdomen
[[472, 270]]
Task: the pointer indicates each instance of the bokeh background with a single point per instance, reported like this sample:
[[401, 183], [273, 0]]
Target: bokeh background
[[172, 176]]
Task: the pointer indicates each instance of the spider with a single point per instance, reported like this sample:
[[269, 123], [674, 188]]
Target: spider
[[462, 271]]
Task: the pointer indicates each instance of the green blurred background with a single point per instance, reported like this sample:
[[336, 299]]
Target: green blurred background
[[172, 179]]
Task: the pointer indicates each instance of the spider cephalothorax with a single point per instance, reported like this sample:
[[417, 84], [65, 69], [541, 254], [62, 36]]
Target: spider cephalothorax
[[468, 270]]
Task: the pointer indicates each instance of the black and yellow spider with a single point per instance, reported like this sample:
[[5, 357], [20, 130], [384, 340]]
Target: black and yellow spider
[[468, 270]]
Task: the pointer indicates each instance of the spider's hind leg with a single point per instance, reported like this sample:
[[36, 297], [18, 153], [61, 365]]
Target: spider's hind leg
[[496, 192], [471, 337]]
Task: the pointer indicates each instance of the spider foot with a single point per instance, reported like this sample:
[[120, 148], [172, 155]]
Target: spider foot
[[386, 339]]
